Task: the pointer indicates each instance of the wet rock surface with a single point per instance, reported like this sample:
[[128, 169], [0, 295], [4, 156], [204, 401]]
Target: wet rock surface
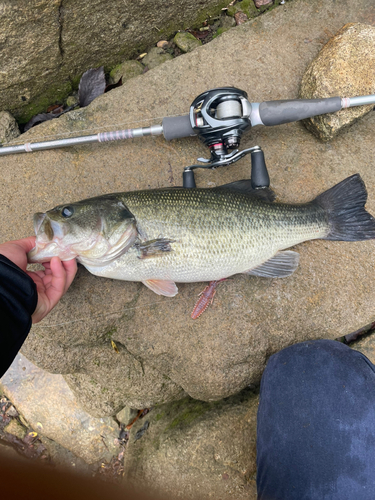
[[8, 127], [19, 440], [246, 7], [345, 67], [192, 449], [50, 408], [366, 345]]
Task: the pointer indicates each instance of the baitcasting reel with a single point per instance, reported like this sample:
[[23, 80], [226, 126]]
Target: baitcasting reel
[[219, 117]]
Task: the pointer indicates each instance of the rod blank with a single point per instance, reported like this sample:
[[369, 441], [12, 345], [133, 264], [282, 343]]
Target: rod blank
[[85, 139]]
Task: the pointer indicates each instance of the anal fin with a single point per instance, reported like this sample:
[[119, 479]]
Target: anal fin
[[281, 265], [162, 287]]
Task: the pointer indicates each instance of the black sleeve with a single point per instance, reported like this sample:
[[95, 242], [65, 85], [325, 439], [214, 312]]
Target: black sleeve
[[18, 300]]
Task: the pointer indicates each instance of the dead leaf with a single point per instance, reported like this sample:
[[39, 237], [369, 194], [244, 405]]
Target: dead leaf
[[200, 35], [113, 85], [114, 347], [261, 3], [42, 117], [92, 85], [55, 109], [240, 17]]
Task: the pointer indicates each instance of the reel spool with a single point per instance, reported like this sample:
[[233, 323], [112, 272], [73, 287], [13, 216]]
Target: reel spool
[[219, 117]]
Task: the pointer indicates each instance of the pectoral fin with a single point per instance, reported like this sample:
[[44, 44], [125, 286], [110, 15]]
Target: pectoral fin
[[162, 287], [154, 248], [281, 265]]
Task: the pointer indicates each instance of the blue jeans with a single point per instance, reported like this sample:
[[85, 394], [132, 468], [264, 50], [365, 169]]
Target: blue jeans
[[316, 424]]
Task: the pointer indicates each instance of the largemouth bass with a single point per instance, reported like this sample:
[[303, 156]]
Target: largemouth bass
[[164, 236]]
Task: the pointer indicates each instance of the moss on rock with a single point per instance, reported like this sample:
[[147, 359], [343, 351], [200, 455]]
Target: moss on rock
[[56, 93]]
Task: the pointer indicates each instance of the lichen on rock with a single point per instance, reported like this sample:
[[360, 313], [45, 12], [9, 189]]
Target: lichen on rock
[[186, 42], [125, 71], [197, 449]]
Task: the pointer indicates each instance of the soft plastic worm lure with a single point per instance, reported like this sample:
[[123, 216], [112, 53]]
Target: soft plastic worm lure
[[205, 299]]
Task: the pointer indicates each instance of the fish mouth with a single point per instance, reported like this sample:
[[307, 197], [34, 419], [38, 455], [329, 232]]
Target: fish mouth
[[49, 235], [43, 252], [56, 239], [38, 221]]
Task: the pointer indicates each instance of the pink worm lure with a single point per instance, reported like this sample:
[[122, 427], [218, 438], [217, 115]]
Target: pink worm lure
[[206, 298]]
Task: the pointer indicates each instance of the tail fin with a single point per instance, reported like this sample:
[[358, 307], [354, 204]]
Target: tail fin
[[347, 217]]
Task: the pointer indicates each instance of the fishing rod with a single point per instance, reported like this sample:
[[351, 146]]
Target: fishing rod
[[218, 117]]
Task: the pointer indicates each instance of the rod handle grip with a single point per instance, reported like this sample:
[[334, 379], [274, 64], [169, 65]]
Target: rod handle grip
[[176, 127], [279, 112]]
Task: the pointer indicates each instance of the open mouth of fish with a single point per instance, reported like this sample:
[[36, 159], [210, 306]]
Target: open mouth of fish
[[49, 241]]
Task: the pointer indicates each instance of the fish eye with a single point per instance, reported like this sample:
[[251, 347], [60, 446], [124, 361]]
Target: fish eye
[[67, 212]]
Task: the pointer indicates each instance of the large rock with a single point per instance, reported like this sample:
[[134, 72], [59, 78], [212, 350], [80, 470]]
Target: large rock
[[155, 57], [163, 354], [366, 345], [186, 42], [51, 409], [8, 127], [190, 449], [345, 67], [46, 45], [125, 71]]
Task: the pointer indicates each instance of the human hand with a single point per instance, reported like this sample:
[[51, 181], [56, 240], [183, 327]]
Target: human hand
[[51, 284]]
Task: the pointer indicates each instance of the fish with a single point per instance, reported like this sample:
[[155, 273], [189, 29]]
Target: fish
[[172, 235]]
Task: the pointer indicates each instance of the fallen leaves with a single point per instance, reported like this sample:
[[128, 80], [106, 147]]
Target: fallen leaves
[[28, 444], [92, 85]]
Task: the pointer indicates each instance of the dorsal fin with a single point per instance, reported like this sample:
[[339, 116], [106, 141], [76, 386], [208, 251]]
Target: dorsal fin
[[244, 186]]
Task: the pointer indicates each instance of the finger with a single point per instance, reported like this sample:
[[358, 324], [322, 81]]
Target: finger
[[47, 280], [26, 243], [56, 281], [16, 251], [41, 274], [71, 270], [62, 274]]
